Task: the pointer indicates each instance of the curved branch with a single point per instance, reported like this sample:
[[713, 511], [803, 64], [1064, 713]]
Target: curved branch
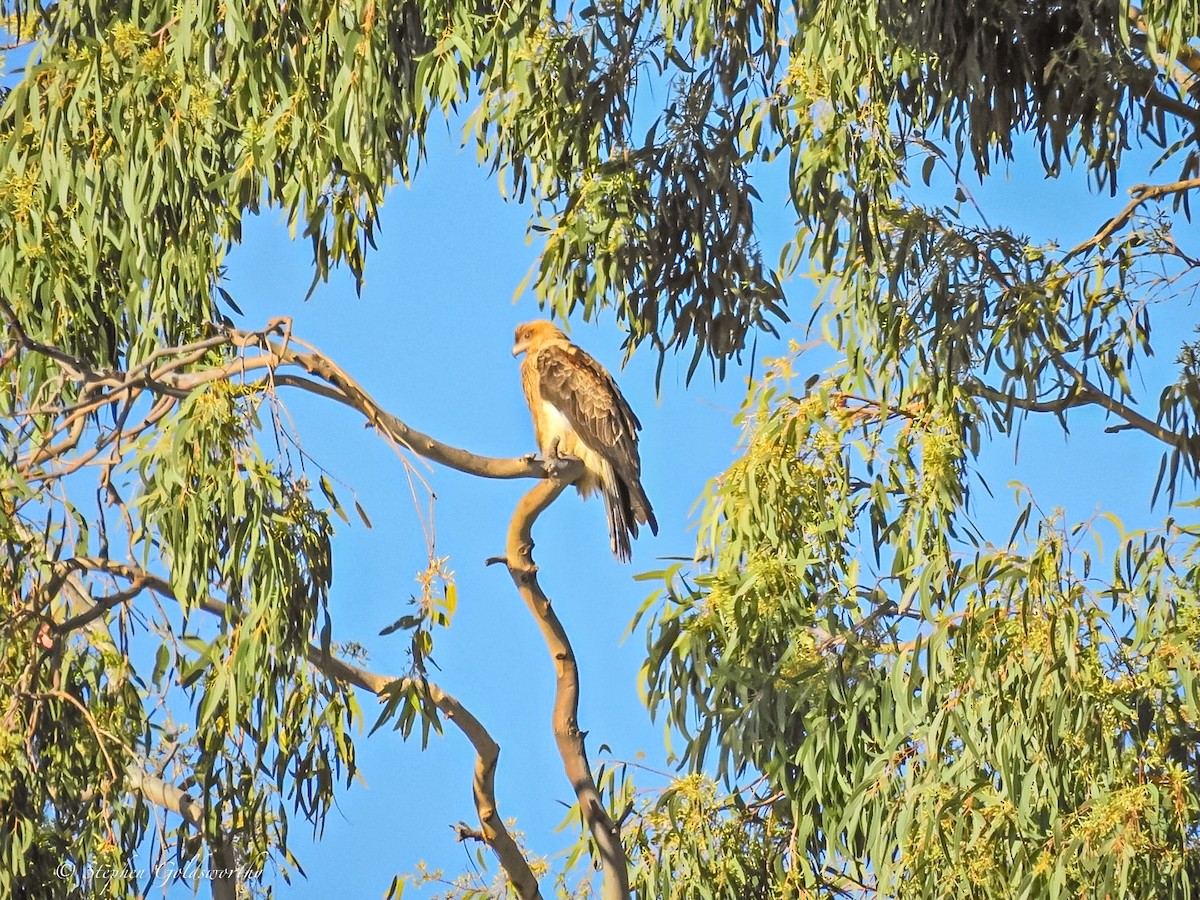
[[1059, 405], [1167, 103], [100, 606], [1140, 193], [169, 379], [335, 383], [1084, 393], [279, 350], [1187, 56], [1132, 417], [519, 559], [487, 754], [487, 751]]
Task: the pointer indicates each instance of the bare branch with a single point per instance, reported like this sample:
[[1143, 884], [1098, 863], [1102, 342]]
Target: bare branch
[[487, 751], [1173, 105], [350, 393], [1084, 393], [169, 378], [519, 559], [101, 605], [1141, 193], [1186, 56], [1058, 405], [487, 754]]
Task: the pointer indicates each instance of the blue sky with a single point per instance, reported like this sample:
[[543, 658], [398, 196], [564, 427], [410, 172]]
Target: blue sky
[[430, 338]]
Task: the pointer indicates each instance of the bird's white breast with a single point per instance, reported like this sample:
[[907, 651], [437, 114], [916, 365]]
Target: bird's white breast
[[556, 425], [557, 428]]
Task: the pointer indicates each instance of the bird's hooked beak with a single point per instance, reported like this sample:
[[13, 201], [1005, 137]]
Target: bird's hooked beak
[[520, 347]]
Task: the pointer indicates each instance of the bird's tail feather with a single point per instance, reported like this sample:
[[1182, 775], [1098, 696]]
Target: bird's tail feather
[[620, 524], [627, 507], [640, 507]]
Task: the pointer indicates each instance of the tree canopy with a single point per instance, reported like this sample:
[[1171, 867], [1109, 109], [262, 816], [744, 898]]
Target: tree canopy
[[872, 695]]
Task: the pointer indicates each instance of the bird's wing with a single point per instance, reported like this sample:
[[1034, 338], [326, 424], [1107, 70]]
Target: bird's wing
[[583, 391]]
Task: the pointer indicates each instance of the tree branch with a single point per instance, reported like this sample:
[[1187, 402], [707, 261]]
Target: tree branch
[[1173, 105], [1187, 56], [487, 751], [169, 378], [487, 754], [167, 375], [223, 873], [519, 559], [1084, 393], [348, 392], [1061, 404], [101, 605], [1141, 193]]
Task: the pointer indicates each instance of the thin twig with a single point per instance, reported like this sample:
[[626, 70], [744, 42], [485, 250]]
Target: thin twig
[[1141, 193]]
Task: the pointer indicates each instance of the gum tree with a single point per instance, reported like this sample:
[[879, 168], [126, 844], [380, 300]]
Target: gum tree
[[896, 702], [891, 701]]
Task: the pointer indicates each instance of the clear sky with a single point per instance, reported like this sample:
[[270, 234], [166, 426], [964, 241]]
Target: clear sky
[[430, 337]]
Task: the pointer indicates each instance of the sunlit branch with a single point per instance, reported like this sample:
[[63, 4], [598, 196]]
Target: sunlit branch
[[350, 393], [1173, 105], [116, 435], [1141, 193], [169, 375], [170, 379], [487, 751], [1084, 393], [1068, 401], [519, 560], [1185, 55]]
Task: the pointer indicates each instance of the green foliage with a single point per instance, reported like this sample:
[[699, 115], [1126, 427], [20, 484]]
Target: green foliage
[[943, 712], [692, 843], [62, 763], [1011, 721], [894, 702]]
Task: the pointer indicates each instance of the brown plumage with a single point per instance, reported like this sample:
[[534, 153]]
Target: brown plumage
[[579, 411]]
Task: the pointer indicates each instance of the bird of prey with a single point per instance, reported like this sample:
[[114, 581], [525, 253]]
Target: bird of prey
[[578, 411]]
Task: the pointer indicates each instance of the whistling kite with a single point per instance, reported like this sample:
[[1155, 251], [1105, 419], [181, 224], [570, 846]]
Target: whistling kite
[[578, 411]]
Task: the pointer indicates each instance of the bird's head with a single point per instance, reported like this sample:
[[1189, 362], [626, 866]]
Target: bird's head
[[533, 333]]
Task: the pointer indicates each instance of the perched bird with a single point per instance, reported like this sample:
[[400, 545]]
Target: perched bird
[[578, 411]]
